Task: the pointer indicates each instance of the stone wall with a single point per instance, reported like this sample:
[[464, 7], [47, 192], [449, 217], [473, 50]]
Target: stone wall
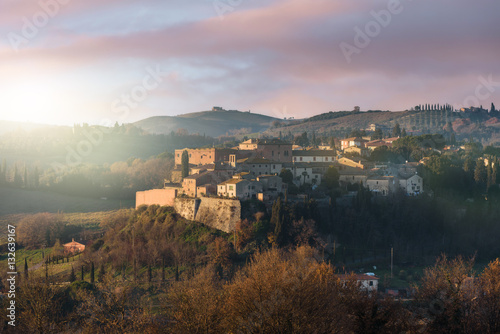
[[162, 197], [222, 214]]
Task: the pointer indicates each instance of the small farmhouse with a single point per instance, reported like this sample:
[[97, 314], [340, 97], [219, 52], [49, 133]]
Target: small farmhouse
[[73, 247]]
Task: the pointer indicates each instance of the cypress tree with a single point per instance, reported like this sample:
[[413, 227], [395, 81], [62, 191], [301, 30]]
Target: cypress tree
[[150, 273], [185, 164], [25, 267], [82, 272], [494, 172], [72, 276], [480, 172], [489, 175]]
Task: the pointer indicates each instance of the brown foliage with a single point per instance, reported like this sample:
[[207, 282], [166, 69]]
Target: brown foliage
[[40, 228]]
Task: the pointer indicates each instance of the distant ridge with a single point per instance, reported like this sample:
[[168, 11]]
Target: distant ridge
[[211, 123]]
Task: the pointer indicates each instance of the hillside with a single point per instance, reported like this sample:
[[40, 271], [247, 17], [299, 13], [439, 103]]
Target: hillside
[[210, 123], [342, 121]]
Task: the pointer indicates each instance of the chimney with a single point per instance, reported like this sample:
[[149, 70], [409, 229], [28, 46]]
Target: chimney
[[72, 239]]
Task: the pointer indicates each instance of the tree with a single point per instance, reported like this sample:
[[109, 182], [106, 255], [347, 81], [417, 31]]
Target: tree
[[92, 273], [302, 140], [82, 273], [277, 222], [332, 143], [100, 275], [331, 177], [286, 176], [185, 164], [489, 175], [72, 276], [494, 173], [377, 134], [492, 107], [403, 133], [469, 165], [448, 127], [480, 172], [489, 298], [444, 288], [396, 131], [25, 268]]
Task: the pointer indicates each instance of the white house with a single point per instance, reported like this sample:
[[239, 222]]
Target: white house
[[382, 185], [411, 185], [314, 155], [304, 173], [354, 141], [367, 282], [239, 188]]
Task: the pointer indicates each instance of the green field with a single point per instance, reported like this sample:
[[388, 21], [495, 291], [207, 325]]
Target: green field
[[17, 201]]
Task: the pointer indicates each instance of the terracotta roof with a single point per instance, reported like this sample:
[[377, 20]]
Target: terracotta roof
[[73, 244]]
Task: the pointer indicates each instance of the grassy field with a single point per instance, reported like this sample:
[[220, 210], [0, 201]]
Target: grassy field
[[17, 201]]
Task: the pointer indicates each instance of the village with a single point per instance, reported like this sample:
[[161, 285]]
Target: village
[[252, 171]]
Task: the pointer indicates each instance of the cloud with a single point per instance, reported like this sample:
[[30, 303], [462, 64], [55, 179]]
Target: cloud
[[262, 54]]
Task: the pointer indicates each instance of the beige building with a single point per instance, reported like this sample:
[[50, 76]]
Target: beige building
[[353, 141], [239, 188], [382, 185], [412, 185], [271, 149], [314, 155], [352, 176]]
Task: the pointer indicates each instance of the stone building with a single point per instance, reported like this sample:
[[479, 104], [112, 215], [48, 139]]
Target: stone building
[[204, 156], [271, 149]]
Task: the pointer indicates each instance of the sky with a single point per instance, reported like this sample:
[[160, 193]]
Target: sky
[[106, 61]]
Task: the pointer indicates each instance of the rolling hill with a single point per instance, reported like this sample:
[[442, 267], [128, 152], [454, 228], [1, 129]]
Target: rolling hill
[[210, 123]]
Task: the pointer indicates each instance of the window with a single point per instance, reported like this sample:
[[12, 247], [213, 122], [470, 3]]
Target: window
[[272, 153], [178, 155], [294, 159], [274, 166], [314, 158], [326, 158], [300, 158], [231, 188], [371, 283]]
